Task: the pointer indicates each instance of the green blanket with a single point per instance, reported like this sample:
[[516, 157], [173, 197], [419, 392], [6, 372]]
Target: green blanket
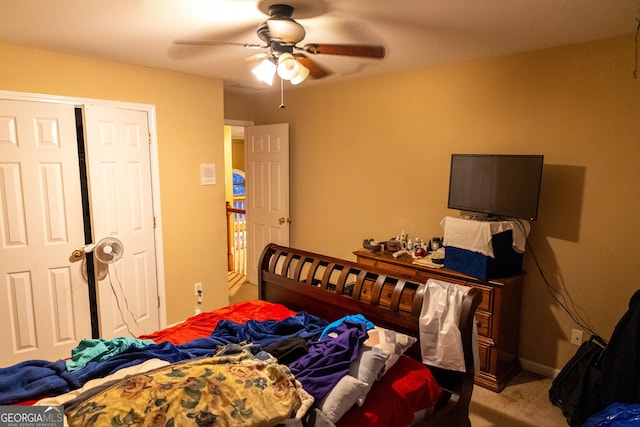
[[98, 350]]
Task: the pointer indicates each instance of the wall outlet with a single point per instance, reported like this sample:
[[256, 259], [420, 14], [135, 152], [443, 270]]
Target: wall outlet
[[576, 336], [197, 289]]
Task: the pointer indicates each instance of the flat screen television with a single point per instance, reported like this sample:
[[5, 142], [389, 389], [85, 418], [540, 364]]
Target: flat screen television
[[496, 185]]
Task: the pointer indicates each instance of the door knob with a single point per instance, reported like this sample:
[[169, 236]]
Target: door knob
[[76, 254], [283, 220]]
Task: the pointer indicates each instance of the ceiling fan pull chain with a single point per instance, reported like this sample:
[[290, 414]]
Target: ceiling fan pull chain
[[281, 93]]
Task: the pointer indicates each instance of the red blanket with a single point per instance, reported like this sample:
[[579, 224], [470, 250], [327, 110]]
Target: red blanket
[[408, 387], [202, 325]]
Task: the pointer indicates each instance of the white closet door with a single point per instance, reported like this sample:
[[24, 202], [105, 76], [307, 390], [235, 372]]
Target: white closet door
[[119, 174], [44, 303]]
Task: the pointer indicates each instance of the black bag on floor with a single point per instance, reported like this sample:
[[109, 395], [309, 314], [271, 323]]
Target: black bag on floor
[[576, 388], [620, 364]]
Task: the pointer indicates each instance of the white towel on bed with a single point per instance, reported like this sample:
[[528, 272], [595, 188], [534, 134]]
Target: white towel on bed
[[440, 339]]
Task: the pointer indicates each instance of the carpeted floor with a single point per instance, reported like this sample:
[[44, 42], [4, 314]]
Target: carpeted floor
[[239, 289], [235, 282], [524, 402]]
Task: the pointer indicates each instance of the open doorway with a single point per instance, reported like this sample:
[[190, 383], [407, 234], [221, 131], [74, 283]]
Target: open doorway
[[235, 190], [265, 154], [237, 218]]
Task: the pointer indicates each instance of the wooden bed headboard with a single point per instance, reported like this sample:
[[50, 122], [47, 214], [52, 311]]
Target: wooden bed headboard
[[332, 288]]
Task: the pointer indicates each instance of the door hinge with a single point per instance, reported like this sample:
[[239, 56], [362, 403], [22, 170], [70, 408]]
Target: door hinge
[[158, 301], [154, 222], [149, 137]]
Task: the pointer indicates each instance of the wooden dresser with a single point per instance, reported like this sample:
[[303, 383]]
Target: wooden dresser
[[498, 316]]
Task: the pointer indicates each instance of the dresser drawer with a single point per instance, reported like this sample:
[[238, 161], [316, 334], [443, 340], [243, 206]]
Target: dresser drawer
[[484, 355], [386, 296], [483, 322], [391, 269], [487, 296]]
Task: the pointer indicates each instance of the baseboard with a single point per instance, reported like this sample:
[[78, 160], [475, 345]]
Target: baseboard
[[540, 369]]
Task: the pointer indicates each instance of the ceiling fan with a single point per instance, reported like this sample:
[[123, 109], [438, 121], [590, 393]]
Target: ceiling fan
[[281, 35]]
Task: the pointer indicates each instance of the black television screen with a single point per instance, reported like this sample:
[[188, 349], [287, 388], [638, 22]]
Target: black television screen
[[502, 185]]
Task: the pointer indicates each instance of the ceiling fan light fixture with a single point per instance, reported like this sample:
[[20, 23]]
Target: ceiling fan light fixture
[[301, 76], [288, 66], [265, 71], [290, 69]]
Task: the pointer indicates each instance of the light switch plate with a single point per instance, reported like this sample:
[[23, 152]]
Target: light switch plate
[[208, 174]]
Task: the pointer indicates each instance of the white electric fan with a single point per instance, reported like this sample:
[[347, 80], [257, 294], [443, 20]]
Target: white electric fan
[[107, 250]]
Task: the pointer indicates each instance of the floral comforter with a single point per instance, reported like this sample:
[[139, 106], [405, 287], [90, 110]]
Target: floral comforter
[[240, 389]]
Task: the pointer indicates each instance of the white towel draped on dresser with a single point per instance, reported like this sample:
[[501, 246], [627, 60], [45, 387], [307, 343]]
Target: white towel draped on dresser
[[476, 236], [440, 340]]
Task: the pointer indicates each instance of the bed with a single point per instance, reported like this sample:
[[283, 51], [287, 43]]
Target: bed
[[329, 342]]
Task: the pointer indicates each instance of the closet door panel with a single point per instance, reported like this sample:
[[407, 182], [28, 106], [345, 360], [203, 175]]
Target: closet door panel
[[119, 171], [44, 301]]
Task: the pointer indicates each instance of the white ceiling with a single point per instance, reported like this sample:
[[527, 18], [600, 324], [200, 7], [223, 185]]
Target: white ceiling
[[415, 33]]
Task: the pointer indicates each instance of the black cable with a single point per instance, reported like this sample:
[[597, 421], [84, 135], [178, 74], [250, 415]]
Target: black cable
[[561, 300], [635, 71]]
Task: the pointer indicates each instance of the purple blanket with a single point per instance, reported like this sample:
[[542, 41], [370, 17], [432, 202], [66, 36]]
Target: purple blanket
[[328, 360]]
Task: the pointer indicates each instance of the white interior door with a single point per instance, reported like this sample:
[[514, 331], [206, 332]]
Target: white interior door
[[267, 181], [119, 174], [44, 303]]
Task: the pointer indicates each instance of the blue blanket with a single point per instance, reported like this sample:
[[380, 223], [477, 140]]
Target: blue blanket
[[34, 379]]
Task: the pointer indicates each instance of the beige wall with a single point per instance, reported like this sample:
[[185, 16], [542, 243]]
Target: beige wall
[[237, 149], [239, 106], [370, 158], [189, 113]]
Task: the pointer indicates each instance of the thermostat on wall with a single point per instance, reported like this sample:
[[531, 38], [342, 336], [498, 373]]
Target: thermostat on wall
[[207, 174]]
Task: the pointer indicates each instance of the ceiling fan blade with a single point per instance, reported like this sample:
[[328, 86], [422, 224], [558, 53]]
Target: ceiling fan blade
[[257, 57], [365, 51], [315, 70], [214, 43]]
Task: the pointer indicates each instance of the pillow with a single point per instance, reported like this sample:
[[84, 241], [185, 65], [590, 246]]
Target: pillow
[[368, 367], [342, 397], [395, 343]]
